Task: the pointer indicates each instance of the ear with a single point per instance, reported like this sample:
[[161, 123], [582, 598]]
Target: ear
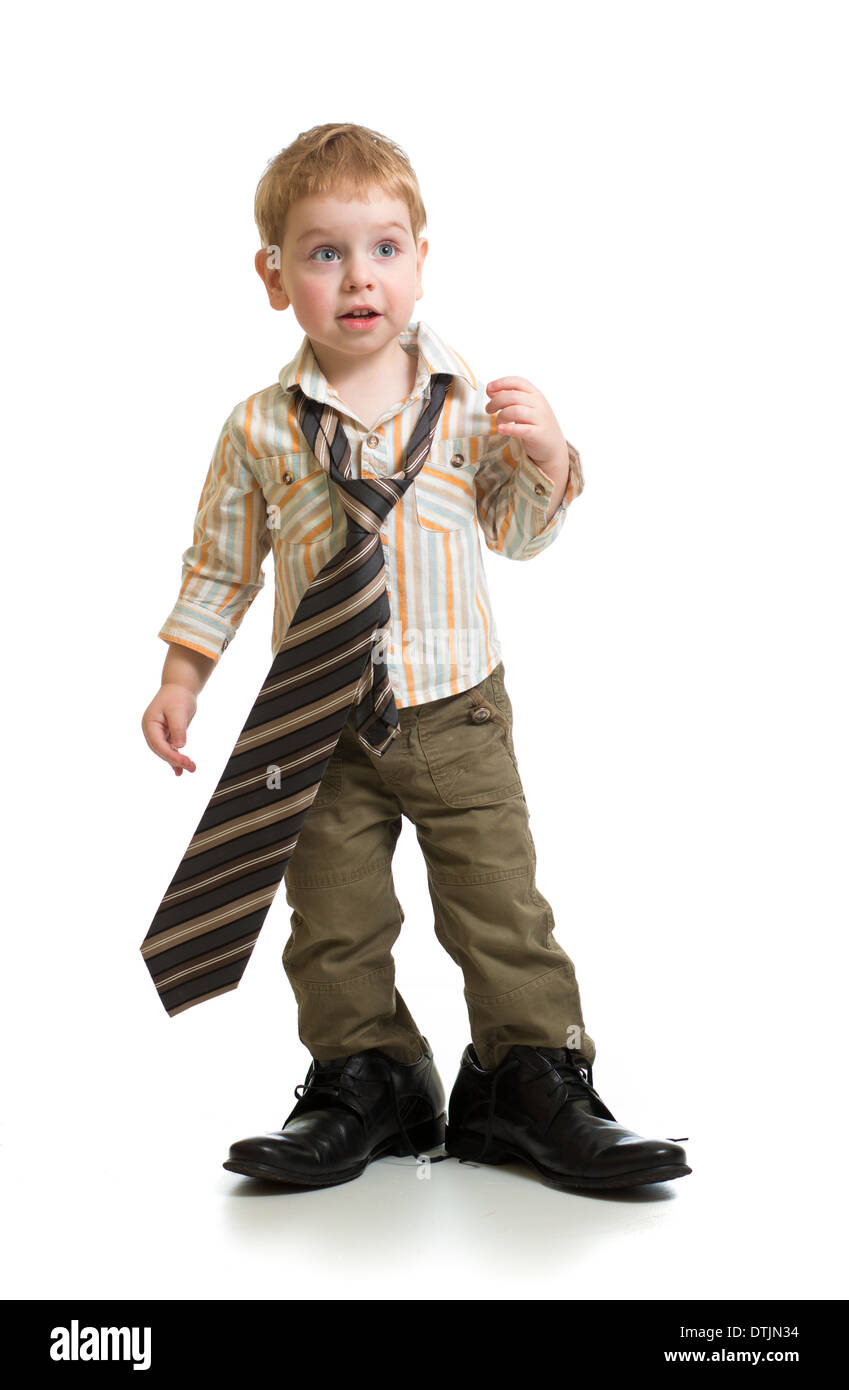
[[266, 262], [422, 252]]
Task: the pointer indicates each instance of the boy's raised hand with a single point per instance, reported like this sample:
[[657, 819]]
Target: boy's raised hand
[[523, 411], [164, 725]]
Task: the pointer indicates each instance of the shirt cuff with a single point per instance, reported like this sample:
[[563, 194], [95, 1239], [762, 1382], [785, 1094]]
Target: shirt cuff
[[198, 629], [537, 487]]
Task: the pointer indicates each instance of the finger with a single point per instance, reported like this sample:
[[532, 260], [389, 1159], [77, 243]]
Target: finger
[[176, 741], [158, 743], [518, 415], [176, 732], [503, 398], [509, 383], [179, 761]]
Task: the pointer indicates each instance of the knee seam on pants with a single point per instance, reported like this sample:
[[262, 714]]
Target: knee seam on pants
[[339, 880], [479, 876], [490, 998], [335, 986]]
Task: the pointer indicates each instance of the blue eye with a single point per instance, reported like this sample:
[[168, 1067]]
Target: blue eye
[[321, 249]]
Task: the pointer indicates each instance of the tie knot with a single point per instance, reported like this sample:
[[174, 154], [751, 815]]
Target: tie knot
[[368, 501]]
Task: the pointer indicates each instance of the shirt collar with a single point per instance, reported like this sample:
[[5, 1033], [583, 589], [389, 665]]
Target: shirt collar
[[433, 356]]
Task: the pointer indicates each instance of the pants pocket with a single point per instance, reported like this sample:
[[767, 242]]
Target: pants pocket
[[331, 783], [467, 745]]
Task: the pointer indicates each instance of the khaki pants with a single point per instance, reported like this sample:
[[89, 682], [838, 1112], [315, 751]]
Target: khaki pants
[[452, 772]]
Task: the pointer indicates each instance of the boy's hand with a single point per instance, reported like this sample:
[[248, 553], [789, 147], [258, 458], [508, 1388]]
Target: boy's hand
[[523, 411], [164, 725]]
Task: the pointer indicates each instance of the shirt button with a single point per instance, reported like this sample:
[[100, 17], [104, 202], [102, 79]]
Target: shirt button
[[373, 441], [480, 714], [288, 477], [539, 489], [457, 460]]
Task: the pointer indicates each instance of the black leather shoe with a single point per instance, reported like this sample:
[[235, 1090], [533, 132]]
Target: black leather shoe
[[351, 1110], [539, 1106]]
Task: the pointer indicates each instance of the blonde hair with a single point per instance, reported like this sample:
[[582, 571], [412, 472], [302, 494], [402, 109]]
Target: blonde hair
[[345, 160]]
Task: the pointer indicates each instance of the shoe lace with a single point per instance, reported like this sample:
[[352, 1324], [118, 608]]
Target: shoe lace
[[569, 1083], [332, 1078]]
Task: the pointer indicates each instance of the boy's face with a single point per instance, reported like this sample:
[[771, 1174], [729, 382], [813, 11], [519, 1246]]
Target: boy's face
[[337, 254]]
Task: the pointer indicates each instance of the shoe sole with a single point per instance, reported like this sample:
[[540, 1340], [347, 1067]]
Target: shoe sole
[[464, 1146], [427, 1135]]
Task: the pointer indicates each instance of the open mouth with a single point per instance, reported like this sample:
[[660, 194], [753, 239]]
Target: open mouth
[[370, 315]]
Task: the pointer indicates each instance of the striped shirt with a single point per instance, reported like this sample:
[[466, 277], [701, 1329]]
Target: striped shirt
[[265, 490]]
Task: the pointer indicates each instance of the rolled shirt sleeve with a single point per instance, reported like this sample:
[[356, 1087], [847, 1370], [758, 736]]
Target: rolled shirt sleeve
[[222, 568], [512, 497]]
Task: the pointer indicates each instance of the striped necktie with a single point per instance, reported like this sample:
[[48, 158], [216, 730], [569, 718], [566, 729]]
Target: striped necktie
[[202, 936]]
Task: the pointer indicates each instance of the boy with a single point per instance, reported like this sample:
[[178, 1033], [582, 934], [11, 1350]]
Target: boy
[[340, 216]]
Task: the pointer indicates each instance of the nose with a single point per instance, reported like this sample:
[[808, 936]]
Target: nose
[[359, 272]]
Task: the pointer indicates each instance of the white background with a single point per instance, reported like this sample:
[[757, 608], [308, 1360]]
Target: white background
[[642, 209]]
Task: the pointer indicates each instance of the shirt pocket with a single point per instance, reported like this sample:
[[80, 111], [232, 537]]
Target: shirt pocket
[[444, 487], [298, 497]]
